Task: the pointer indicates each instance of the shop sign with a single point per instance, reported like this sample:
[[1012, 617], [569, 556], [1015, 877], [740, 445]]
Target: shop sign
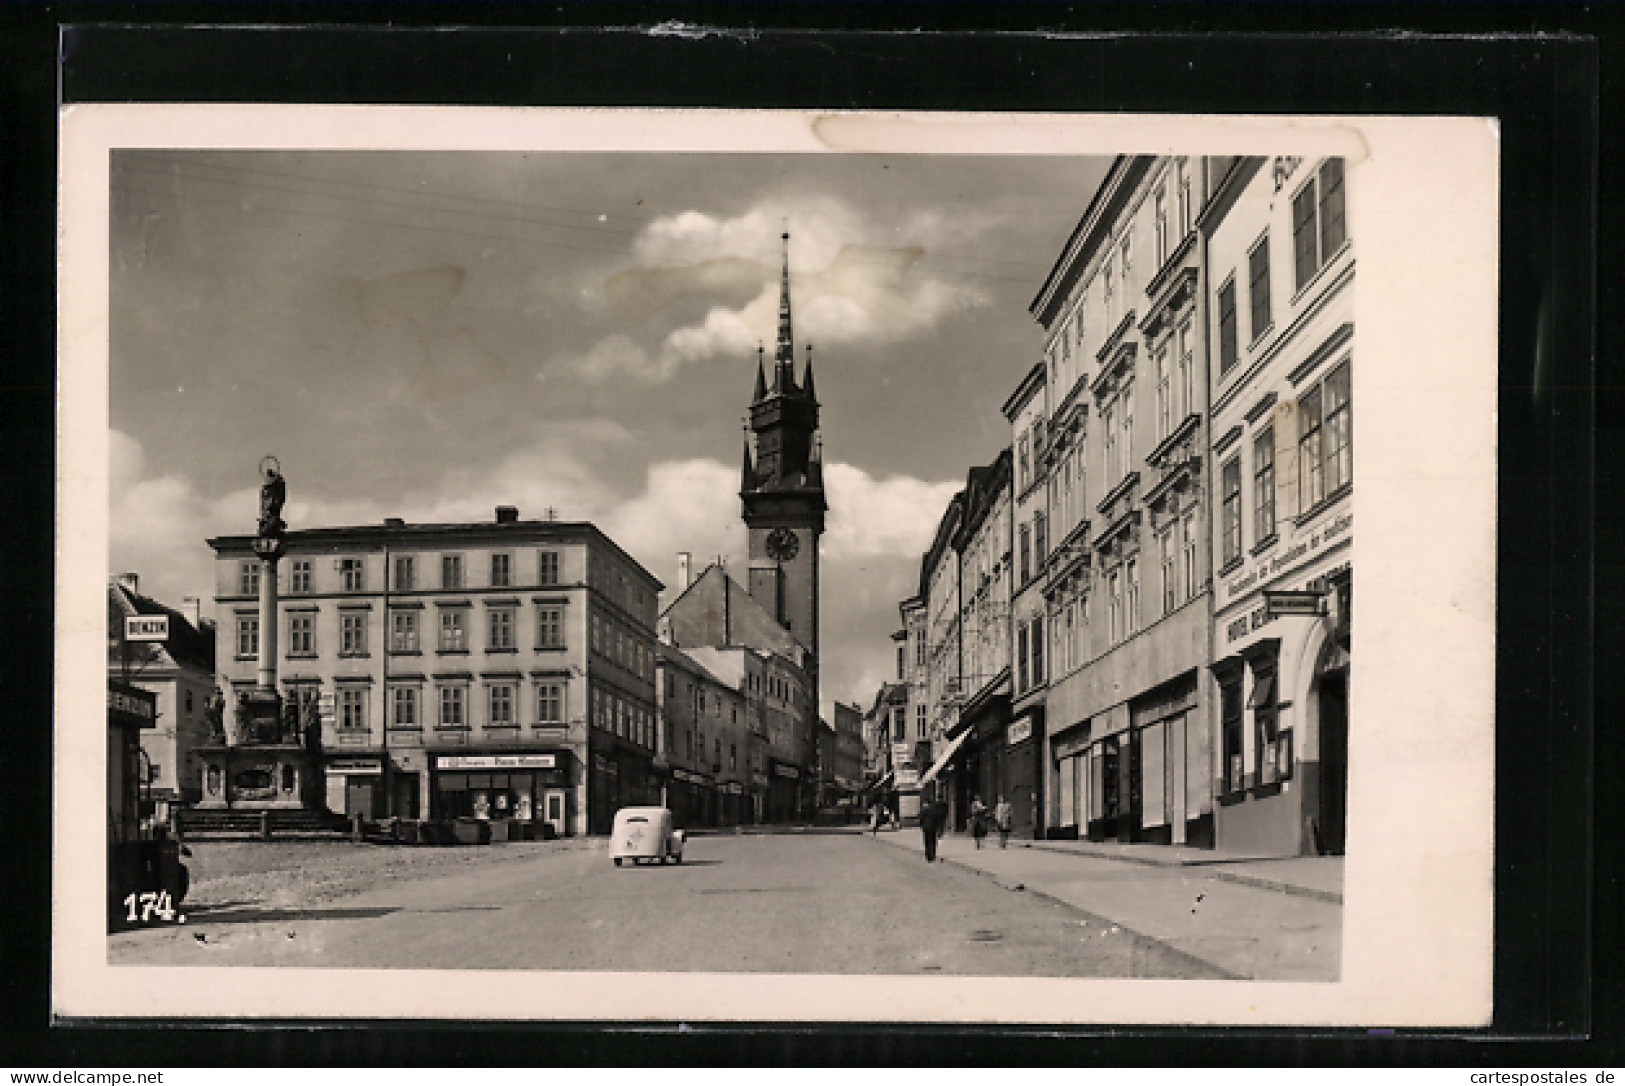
[[908, 778], [353, 765], [787, 771], [131, 707], [902, 753], [1019, 731], [1278, 604], [497, 761], [146, 627], [759, 779]]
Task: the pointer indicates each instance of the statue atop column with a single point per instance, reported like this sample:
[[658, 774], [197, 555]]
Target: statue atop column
[[273, 492]]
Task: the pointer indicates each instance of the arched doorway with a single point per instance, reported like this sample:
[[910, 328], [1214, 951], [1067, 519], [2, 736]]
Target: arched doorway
[[1332, 703]]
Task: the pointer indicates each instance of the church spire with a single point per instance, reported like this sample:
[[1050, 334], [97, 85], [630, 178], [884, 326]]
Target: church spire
[[807, 377], [761, 379], [747, 473], [784, 377]]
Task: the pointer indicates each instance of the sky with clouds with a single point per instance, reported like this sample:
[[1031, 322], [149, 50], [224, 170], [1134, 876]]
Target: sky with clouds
[[429, 335]]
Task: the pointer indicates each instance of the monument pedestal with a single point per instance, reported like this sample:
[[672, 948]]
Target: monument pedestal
[[267, 769]]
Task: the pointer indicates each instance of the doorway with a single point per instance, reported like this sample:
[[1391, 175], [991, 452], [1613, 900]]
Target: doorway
[[359, 793], [1334, 758], [554, 811], [406, 796]]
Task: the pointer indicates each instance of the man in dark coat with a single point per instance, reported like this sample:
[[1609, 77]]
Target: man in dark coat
[[929, 824]]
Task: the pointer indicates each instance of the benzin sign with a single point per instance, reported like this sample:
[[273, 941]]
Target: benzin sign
[[146, 627]]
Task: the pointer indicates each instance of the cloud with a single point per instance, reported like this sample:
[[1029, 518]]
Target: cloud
[[881, 517], [614, 358]]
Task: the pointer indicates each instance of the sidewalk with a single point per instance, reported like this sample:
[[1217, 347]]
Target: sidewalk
[[1254, 918]]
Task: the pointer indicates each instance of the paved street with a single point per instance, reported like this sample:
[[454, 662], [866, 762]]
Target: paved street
[[832, 903]]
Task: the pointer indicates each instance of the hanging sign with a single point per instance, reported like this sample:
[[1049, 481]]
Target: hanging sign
[[1281, 603], [146, 627], [1018, 731]]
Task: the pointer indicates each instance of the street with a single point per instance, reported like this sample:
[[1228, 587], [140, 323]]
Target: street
[[837, 902]]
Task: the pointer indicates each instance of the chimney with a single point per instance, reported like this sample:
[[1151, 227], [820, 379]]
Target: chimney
[[394, 522], [194, 609], [132, 581], [685, 562], [507, 514]]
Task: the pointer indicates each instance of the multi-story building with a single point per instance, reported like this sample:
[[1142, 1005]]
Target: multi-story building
[[707, 737], [845, 767], [1280, 319], [943, 693], [911, 643], [1023, 780], [177, 666], [1127, 580], [978, 739], [495, 670], [765, 708]]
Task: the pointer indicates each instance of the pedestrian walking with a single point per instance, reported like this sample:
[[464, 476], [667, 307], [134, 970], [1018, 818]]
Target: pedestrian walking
[[978, 820], [1001, 819], [928, 829]]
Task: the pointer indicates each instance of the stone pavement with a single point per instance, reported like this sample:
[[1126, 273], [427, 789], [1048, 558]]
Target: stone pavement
[[1255, 918]]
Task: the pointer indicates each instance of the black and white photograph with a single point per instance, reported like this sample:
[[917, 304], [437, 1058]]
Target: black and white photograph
[[571, 564]]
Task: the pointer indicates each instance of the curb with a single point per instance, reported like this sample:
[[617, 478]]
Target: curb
[[1211, 867], [1021, 887]]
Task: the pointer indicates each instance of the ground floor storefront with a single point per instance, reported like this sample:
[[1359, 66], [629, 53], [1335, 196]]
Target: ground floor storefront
[[1140, 771], [619, 775], [524, 786], [1283, 683]]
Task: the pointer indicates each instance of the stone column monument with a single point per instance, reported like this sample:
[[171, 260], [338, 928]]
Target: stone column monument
[[270, 762]]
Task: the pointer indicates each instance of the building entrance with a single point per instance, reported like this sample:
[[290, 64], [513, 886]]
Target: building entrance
[[1334, 758]]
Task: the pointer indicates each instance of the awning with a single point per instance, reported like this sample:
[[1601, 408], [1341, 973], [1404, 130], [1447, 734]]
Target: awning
[[881, 783], [936, 766]]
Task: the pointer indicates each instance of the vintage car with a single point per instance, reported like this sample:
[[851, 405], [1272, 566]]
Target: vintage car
[[645, 833]]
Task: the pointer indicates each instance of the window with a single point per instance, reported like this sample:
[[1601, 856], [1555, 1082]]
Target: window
[[919, 650], [733, 756], [1036, 643], [302, 635], [550, 703], [352, 708], [919, 721], [248, 578], [1114, 605], [1124, 249], [1040, 532], [1192, 584], [1258, 286], [405, 706], [1264, 485], [1165, 408], [1227, 326], [353, 633], [500, 621], [1132, 619], [1126, 447], [1021, 658], [1338, 437], [501, 570], [1318, 226], [549, 626], [1170, 588], [405, 573], [1161, 213], [189, 701], [597, 634], [1231, 521], [716, 752], [1230, 731], [1109, 425], [403, 631], [1186, 210], [1023, 463], [452, 707], [1024, 548], [1268, 746], [352, 575], [548, 568], [248, 636], [453, 630], [499, 700], [1311, 482], [451, 571], [300, 582], [1187, 372], [1107, 287]]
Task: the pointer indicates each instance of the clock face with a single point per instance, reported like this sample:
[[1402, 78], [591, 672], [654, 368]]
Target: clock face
[[782, 544]]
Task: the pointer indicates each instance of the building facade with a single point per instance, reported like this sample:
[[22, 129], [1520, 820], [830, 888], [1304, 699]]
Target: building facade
[[1130, 753], [1281, 323], [706, 743], [1024, 779], [178, 669], [496, 670]]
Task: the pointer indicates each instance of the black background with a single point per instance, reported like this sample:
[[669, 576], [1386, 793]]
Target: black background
[[1555, 88]]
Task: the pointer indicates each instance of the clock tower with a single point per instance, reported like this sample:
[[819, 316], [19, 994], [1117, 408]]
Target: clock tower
[[782, 488]]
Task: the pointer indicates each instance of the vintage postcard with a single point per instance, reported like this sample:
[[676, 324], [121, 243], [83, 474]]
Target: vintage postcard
[[592, 564]]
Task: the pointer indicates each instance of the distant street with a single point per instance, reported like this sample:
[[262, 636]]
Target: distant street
[[813, 902]]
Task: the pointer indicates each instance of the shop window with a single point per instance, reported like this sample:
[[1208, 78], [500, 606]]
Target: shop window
[[405, 573], [1230, 723], [1272, 743]]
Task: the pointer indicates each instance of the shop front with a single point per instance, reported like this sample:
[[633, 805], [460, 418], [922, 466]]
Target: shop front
[[691, 797], [1283, 684], [622, 776], [1171, 759], [783, 791], [526, 786], [1021, 773], [356, 786], [982, 764]]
